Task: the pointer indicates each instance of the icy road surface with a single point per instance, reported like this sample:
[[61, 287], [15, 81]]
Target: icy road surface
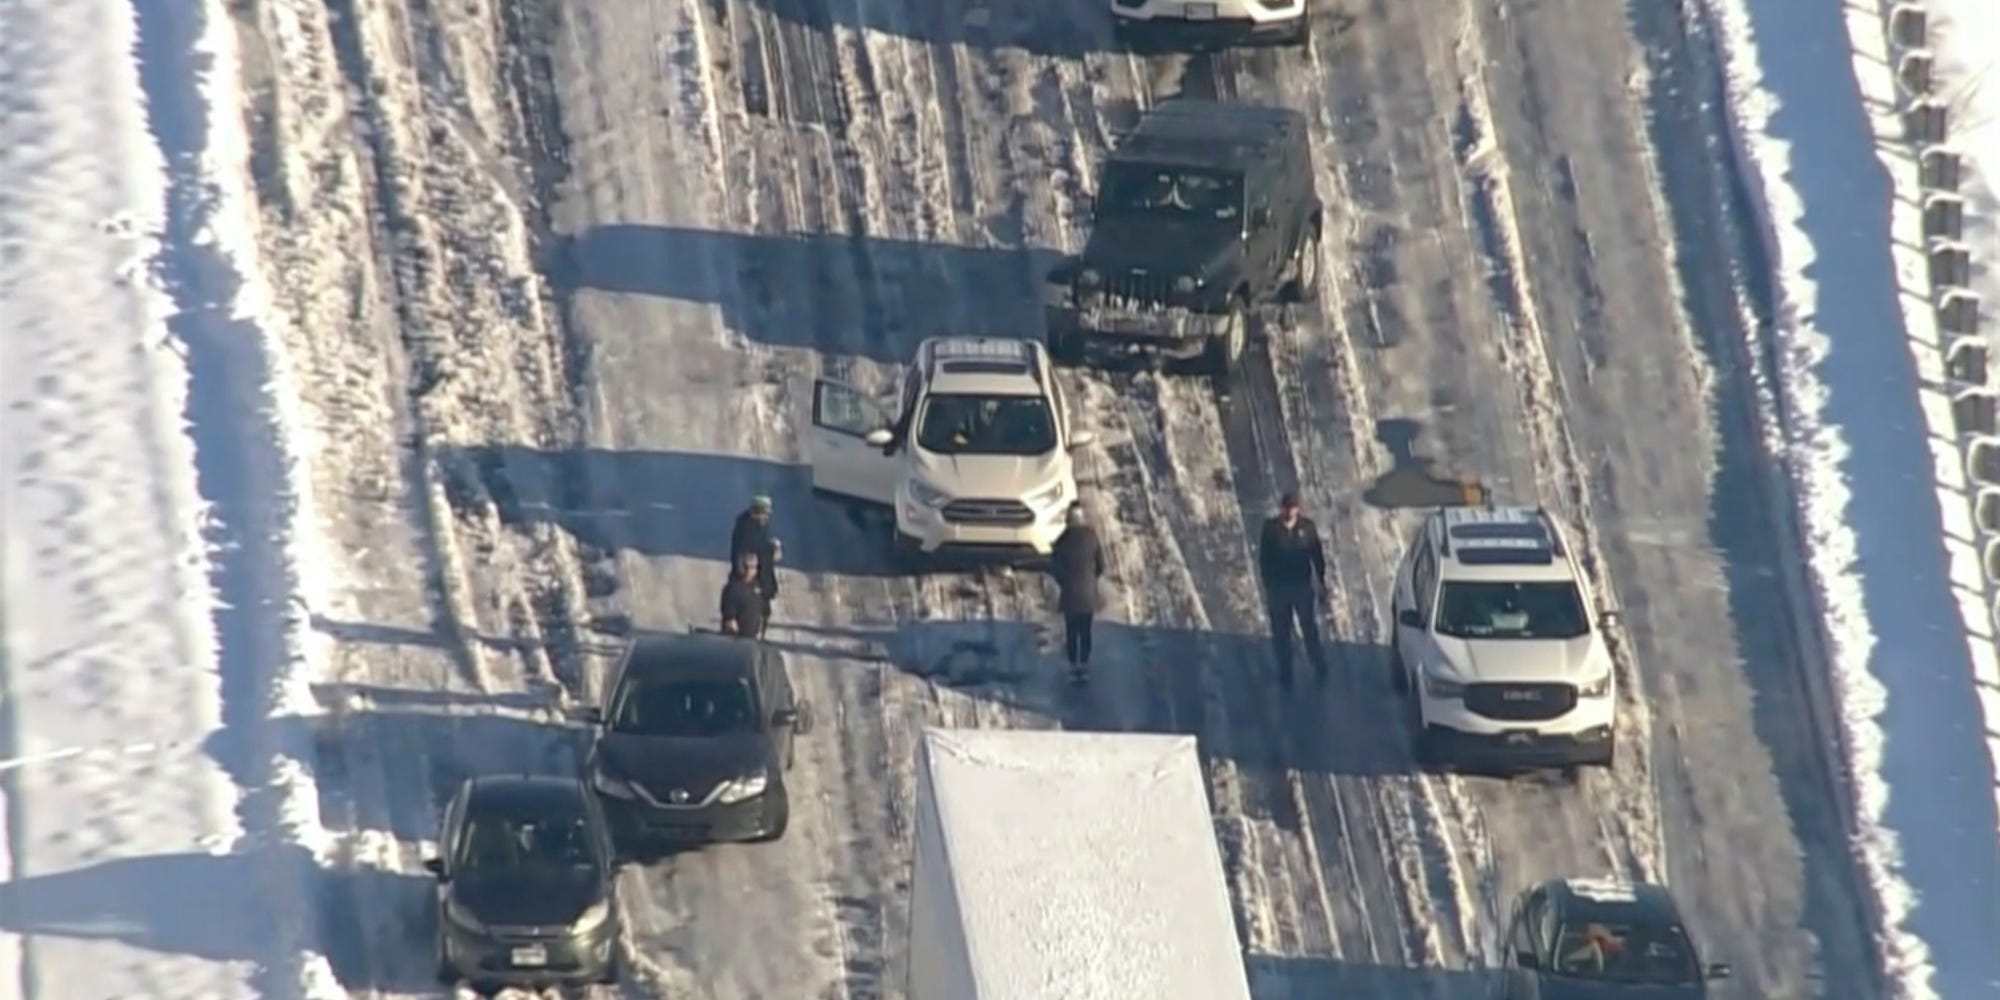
[[583, 258]]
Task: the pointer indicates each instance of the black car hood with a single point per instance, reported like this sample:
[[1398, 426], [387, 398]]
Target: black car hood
[[1576, 989], [662, 764], [527, 898], [1163, 246]]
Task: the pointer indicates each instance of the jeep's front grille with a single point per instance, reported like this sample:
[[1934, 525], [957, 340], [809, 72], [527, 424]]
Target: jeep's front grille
[[1520, 702], [988, 512], [1138, 290]]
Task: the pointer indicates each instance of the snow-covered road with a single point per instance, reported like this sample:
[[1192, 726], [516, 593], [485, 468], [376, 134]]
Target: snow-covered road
[[1514, 302], [549, 279]]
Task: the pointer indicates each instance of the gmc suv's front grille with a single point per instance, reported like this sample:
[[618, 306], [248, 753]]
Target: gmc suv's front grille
[[1138, 290], [1520, 702], [988, 512]]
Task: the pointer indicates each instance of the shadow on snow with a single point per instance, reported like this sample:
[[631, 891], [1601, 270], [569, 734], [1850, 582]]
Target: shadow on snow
[[1288, 977], [787, 290]]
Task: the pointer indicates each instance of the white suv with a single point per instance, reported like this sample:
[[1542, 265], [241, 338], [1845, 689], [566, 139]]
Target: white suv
[[1499, 644], [1142, 23], [976, 463]]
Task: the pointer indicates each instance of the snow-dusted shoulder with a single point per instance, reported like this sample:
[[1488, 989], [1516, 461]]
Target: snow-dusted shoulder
[[146, 554], [1812, 101]]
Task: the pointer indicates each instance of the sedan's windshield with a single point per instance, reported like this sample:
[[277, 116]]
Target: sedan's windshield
[[685, 708], [1489, 610], [1131, 189], [500, 842], [1625, 953], [987, 425]]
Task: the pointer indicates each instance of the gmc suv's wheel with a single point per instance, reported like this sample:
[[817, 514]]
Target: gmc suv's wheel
[[1304, 286]]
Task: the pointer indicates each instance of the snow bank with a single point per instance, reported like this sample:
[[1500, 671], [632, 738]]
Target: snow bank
[[1963, 37], [153, 580], [1811, 106], [1080, 866]]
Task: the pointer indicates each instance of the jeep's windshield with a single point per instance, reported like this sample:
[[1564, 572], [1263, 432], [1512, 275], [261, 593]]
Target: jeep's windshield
[[704, 708], [1138, 189], [1625, 953], [1500, 610], [987, 425]]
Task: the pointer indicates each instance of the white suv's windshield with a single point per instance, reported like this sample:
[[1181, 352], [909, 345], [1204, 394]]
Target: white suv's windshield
[[987, 425], [1500, 610]]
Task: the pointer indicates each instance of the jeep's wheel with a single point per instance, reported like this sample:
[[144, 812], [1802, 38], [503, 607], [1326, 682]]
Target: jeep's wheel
[[1305, 268], [1224, 357]]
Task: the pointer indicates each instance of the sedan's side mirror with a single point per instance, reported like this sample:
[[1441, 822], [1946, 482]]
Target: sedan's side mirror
[[590, 714], [1526, 960], [784, 718], [435, 866], [879, 437], [1610, 618], [1717, 970], [1082, 439], [1410, 618]]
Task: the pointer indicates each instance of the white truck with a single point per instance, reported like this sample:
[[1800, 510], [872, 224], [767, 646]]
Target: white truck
[[1067, 866]]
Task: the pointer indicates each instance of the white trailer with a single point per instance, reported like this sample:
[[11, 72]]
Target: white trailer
[[1067, 866]]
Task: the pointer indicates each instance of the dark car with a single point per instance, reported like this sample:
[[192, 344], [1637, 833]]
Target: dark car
[[1205, 212], [1585, 939], [693, 743], [525, 885]]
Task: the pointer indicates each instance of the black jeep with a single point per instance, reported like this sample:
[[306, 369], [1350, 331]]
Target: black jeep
[[1203, 213]]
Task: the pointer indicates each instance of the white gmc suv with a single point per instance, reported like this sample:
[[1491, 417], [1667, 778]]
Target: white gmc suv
[[1205, 23], [1499, 644], [975, 463]]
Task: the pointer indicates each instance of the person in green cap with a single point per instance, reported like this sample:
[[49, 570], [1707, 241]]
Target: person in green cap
[[755, 536]]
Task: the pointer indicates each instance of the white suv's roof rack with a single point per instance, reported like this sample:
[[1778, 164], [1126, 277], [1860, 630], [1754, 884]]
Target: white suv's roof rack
[[1499, 536]]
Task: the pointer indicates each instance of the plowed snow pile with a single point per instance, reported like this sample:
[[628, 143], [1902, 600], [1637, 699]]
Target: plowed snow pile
[[157, 830]]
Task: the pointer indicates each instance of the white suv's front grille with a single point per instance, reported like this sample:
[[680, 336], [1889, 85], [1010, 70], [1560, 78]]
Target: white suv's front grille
[[988, 512], [1520, 702]]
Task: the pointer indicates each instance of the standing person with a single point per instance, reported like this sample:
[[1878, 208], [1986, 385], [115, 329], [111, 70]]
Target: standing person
[[1291, 560], [745, 609], [754, 534], [1077, 563]]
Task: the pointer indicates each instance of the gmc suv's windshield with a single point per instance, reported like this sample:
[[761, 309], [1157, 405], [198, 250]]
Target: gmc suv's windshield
[[685, 708], [987, 425], [1134, 189], [1487, 610], [498, 842], [1625, 953]]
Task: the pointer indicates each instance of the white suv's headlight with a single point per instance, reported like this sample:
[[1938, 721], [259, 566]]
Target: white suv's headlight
[[747, 787], [1597, 688], [1051, 496], [1437, 685], [927, 495]]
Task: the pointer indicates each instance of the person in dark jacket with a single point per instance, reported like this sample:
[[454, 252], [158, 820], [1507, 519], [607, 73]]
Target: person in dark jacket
[[753, 534], [1077, 563], [1292, 563], [745, 610]]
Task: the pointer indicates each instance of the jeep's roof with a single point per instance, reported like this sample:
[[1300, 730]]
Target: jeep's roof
[[1511, 543], [981, 366], [1191, 132]]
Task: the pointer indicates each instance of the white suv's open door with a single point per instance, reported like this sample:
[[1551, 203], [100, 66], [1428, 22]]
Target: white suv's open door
[[843, 461]]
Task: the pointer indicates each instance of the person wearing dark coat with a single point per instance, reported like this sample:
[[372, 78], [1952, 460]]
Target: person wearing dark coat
[[754, 535], [745, 610], [1292, 564], [1077, 563]]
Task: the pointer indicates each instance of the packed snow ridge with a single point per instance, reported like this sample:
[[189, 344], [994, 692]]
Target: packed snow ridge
[[1907, 617], [152, 573]]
